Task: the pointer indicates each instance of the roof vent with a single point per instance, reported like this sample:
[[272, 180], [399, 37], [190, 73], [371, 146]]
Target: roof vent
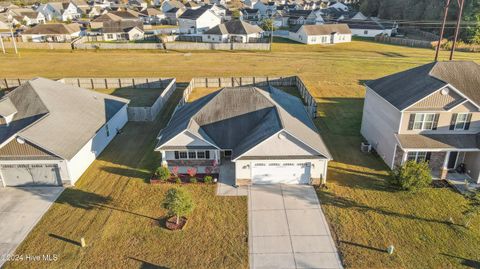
[[20, 140], [445, 91], [281, 136]]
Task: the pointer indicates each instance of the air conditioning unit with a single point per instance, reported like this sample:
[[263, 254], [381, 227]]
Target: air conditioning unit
[[365, 147]]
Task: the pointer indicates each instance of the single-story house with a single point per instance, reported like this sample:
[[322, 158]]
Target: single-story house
[[51, 132], [52, 32], [367, 28], [428, 113], [122, 30], [232, 31], [257, 135], [321, 34]]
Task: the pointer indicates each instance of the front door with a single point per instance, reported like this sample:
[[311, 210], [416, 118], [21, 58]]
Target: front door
[[452, 160]]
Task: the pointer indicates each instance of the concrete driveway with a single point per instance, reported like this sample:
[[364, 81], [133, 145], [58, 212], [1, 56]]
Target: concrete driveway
[[20, 210], [288, 229]]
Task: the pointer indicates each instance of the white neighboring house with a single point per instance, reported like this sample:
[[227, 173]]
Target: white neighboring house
[[74, 9], [170, 4], [196, 21], [52, 132], [236, 31], [368, 28], [51, 11], [266, 9], [322, 34], [25, 16], [262, 136], [339, 6], [52, 32]]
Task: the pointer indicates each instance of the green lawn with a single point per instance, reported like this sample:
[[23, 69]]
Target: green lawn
[[137, 96], [364, 214]]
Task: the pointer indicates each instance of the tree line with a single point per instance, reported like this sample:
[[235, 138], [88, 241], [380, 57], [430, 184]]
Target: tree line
[[427, 15]]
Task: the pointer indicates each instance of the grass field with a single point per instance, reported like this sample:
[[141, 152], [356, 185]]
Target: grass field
[[137, 97], [364, 214]]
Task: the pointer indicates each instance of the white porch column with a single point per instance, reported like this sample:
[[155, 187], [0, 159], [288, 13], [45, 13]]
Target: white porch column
[[444, 169], [164, 158]]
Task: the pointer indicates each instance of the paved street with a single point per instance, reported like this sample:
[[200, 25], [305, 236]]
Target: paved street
[[287, 229], [20, 210]]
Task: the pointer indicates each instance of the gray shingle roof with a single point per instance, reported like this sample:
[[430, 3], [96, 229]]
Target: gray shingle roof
[[240, 118], [236, 27], [438, 141], [53, 29], [193, 14], [58, 117], [325, 29], [405, 88]]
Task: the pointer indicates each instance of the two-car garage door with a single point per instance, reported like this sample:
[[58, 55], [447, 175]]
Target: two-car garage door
[[30, 174], [281, 172]]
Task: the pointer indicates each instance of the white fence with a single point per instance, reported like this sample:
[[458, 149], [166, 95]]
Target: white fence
[[218, 82], [188, 46], [150, 113]]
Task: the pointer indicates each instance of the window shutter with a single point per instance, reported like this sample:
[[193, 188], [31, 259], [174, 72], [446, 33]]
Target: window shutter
[[411, 121], [428, 156], [207, 154], [467, 124], [453, 121], [176, 155], [435, 121]]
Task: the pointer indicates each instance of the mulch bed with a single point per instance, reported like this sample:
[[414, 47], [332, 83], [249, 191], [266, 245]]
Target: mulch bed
[[185, 179], [440, 184], [171, 223]]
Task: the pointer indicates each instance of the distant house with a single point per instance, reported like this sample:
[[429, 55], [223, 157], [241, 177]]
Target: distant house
[[232, 31], [51, 11], [52, 132], [25, 16], [94, 12], [250, 14], [367, 28], [300, 17], [171, 4], [115, 16], [152, 16], [266, 9], [196, 21], [123, 31], [138, 4], [74, 9], [321, 34], [52, 32], [173, 14]]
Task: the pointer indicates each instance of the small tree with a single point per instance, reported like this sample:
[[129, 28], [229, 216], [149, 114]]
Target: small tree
[[411, 176], [178, 203], [268, 25], [162, 173]]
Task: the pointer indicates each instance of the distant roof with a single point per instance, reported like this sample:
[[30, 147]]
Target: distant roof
[[53, 29], [239, 118], [58, 117], [325, 29], [151, 12], [250, 10], [234, 27], [405, 88], [366, 24], [121, 26], [193, 14]]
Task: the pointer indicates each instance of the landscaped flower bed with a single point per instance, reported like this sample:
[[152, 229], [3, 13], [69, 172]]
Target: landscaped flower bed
[[185, 179]]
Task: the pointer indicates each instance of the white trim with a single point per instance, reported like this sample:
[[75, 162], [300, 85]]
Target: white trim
[[183, 132], [394, 154], [441, 149], [464, 123]]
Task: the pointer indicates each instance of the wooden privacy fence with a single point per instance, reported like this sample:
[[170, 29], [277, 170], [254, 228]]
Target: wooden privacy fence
[[405, 42], [150, 113], [209, 82]]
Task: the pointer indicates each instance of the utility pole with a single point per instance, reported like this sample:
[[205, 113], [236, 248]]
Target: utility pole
[[13, 38], [1, 43], [447, 5], [459, 20]]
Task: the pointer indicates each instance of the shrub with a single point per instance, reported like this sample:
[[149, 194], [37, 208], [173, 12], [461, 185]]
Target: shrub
[[193, 180], [178, 180], [178, 203], [192, 172], [162, 173], [411, 176], [208, 179]]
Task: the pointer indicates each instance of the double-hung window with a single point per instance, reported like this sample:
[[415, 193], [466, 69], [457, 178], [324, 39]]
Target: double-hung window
[[418, 156], [424, 121], [192, 155], [461, 121]]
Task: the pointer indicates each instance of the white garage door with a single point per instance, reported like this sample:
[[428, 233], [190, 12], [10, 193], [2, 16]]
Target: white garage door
[[281, 172], [30, 174]]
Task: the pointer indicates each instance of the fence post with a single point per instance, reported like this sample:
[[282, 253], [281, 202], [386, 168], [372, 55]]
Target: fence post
[[148, 84], [6, 84], [106, 84], [91, 82], [254, 81], [133, 83], [119, 82]]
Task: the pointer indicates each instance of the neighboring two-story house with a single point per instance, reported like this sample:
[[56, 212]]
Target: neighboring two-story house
[[196, 21], [428, 113]]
